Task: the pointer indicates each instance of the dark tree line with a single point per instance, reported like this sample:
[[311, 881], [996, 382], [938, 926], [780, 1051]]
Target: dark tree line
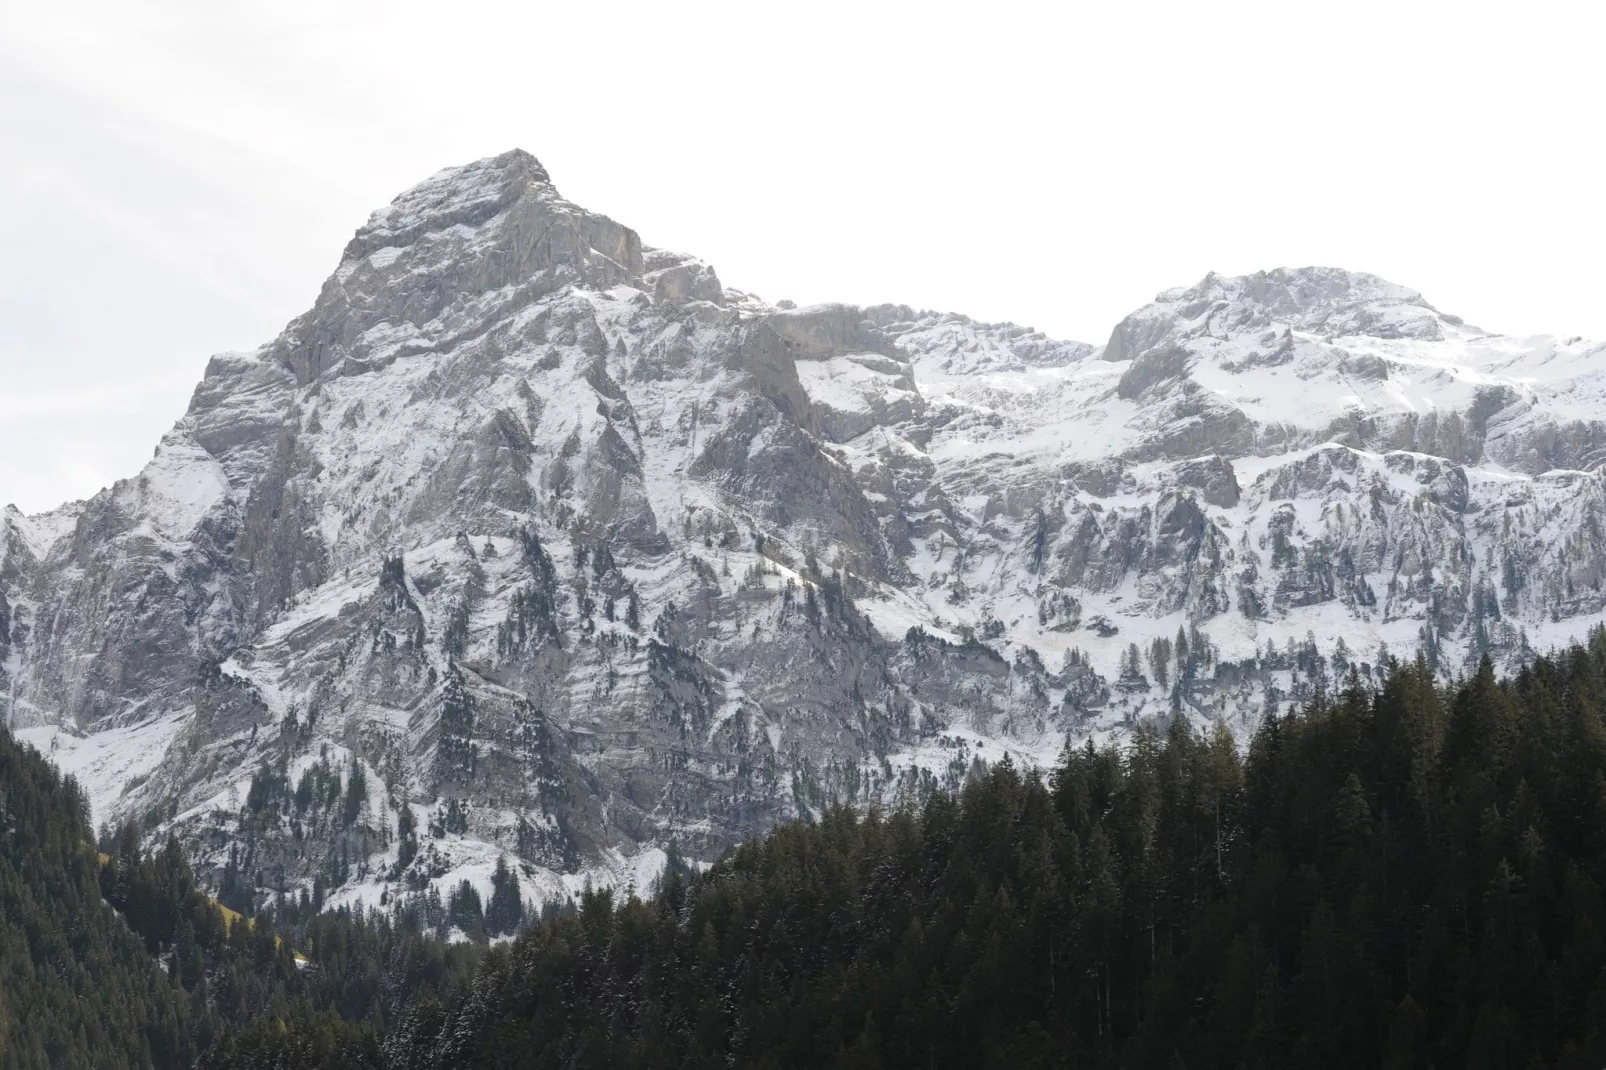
[[1406, 878], [1411, 877], [242, 983], [118, 960], [77, 989]]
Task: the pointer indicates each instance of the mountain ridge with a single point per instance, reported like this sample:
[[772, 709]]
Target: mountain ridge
[[581, 552]]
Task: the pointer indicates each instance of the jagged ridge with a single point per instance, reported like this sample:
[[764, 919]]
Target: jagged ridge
[[578, 552]]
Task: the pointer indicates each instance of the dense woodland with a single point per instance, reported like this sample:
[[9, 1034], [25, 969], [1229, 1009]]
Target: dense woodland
[[117, 960], [1409, 876]]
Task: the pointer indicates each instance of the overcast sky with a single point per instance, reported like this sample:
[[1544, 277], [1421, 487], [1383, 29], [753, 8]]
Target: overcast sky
[[178, 178]]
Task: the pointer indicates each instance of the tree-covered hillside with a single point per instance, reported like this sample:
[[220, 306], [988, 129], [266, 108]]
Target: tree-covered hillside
[[1406, 878], [120, 961], [1400, 879], [77, 988]]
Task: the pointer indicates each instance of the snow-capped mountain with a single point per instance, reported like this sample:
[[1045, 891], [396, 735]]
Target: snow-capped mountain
[[576, 552]]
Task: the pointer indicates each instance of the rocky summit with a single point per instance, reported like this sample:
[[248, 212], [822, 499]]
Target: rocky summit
[[533, 541]]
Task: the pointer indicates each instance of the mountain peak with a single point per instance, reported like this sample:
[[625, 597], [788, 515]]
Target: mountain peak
[[1328, 300], [1325, 301], [495, 228], [468, 194]]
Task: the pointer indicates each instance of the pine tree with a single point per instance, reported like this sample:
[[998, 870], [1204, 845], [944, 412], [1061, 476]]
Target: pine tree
[[505, 912]]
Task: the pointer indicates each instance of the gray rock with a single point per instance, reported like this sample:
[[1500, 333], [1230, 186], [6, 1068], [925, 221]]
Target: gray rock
[[577, 552]]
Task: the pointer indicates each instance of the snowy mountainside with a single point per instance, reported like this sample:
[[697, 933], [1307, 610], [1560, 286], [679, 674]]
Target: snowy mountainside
[[577, 553]]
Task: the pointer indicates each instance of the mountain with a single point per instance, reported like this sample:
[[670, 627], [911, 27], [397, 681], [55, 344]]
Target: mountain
[[531, 540]]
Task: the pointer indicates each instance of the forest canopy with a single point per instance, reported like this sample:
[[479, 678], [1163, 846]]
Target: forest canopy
[[1400, 878], [1403, 876]]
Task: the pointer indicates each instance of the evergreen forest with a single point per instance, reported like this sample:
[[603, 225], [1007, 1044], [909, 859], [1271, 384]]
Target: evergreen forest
[[1411, 875]]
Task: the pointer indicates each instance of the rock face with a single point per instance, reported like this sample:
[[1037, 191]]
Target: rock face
[[568, 552]]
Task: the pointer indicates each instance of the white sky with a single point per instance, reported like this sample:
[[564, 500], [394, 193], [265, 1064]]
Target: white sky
[[178, 178]]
